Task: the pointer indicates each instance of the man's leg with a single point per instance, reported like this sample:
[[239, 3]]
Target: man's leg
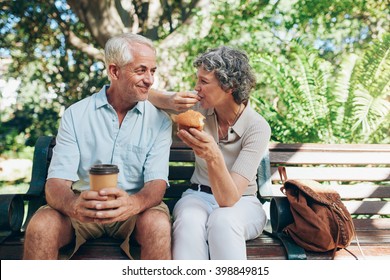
[[153, 233], [46, 233]]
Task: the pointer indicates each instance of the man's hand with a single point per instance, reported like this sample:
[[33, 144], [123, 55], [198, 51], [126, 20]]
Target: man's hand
[[92, 206]]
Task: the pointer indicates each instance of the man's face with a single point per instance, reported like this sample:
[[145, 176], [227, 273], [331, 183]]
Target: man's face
[[137, 77]]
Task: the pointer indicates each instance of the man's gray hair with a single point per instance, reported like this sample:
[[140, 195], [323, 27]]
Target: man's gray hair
[[231, 68], [117, 48]]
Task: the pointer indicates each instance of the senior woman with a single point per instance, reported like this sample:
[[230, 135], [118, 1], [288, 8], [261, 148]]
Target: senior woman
[[220, 211]]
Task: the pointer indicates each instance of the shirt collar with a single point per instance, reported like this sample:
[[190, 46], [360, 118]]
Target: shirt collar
[[240, 125], [210, 112], [101, 97], [101, 100]]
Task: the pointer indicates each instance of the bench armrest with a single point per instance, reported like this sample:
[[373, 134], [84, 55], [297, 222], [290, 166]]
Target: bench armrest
[[36, 193]]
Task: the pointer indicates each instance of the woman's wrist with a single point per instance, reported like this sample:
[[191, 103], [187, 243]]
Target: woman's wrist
[[215, 159]]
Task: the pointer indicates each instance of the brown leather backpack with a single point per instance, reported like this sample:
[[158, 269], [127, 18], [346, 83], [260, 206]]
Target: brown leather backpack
[[321, 222]]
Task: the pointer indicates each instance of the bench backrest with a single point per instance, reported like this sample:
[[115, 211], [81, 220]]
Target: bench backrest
[[181, 167], [359, 172]]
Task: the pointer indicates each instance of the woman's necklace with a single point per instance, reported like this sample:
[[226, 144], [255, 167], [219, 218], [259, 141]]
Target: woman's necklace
[[222, 135]]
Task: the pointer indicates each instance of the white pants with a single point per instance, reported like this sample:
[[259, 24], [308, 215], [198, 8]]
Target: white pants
[[202, 230]]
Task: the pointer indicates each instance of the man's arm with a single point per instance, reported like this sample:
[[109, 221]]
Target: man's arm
[[59, 195], [125, 206], [176, 101], [82, 207], [150, 195]]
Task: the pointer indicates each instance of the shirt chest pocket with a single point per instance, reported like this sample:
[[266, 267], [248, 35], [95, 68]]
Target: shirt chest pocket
[[135, 161]]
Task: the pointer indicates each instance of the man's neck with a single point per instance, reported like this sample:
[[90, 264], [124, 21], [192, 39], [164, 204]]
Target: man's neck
[[120, 106]]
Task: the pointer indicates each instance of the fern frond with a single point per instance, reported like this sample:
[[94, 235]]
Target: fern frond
[[343, 78], [374, 69], [371, 90], [369, 111]]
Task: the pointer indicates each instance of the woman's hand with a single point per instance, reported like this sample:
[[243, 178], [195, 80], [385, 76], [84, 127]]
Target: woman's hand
[[202, 143], [181, 101], [227, 187]]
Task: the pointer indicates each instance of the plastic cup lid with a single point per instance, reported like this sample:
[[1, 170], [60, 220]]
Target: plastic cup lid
[[101, 169]]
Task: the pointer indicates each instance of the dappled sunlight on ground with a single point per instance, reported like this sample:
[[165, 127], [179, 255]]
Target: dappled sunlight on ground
[[14, 175]]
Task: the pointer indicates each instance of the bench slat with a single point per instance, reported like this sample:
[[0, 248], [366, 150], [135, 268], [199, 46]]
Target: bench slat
[[180, 172], [329, 147], [372, 237], [360, 191], [368, 207], [353, 158], [176, 190], [372, 224], [356, 191], [375, 245], [335, 173], [181, 156]]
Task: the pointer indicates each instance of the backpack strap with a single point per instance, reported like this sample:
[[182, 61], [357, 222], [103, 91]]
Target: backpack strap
[[280, 217], [283, 177], [282, 173], [338, 237], [293, 250], [338, 232]]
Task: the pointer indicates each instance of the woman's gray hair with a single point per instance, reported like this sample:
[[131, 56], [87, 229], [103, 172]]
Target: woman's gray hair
[[117, 48], [232, 70]]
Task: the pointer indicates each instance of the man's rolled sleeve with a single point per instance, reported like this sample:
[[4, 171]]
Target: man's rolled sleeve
[[66, 156], [157, 162]]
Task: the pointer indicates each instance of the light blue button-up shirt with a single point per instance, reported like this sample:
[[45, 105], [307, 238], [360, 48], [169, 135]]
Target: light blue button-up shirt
[[89, 134]]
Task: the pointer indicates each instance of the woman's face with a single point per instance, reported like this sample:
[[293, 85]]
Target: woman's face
[[209, 90]]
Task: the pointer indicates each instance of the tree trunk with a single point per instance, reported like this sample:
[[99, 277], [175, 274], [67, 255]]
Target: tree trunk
[[167, 78], [106, 18], [101, 18]]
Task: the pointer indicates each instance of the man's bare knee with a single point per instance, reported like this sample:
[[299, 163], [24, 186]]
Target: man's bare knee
[[47, 231], [153, 219], [47, 221], [153, 233]]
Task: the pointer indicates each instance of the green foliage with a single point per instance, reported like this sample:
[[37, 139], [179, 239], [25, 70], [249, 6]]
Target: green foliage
[[297, 110], [242, 24], [296, 89], [369, 93], [317, 90], [53, 74], [310, 104], [339, 25]]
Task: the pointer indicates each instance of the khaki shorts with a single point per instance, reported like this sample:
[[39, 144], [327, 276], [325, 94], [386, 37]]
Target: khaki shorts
[[118, 230]]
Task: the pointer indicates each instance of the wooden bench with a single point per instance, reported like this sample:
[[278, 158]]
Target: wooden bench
[[360, 173]]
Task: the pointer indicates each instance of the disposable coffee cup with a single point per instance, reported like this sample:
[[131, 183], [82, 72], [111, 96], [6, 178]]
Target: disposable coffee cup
[[103, 176]]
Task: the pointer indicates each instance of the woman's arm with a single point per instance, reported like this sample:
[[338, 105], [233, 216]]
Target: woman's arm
[[227, 186]]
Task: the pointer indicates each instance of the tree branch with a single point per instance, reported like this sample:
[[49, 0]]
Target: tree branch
[[75, 41], [88, 49]]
